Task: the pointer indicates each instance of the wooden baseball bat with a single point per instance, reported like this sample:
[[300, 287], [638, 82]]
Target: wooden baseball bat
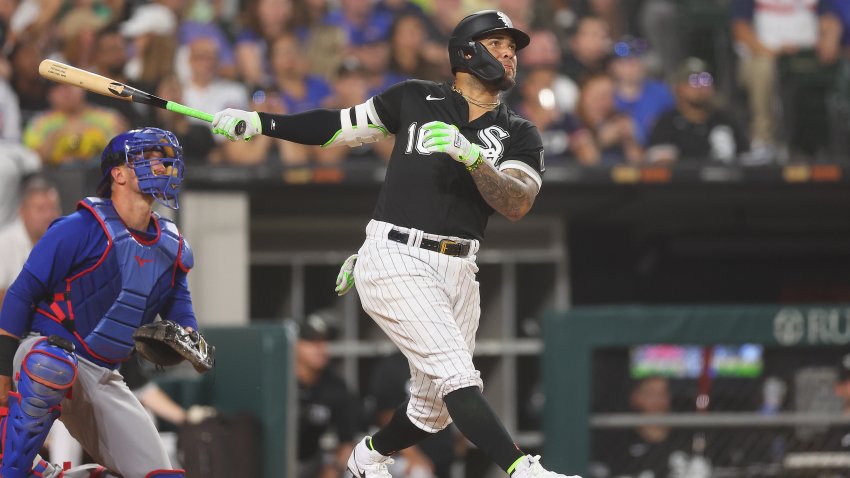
[[62, 73]]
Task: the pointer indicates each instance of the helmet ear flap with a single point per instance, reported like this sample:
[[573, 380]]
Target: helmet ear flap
[[483, 64]]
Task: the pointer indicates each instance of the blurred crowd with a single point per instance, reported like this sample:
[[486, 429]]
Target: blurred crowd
[[606, 81]]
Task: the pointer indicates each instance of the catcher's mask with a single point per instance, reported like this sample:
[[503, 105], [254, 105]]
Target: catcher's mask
[[465, 42], [158, 177]]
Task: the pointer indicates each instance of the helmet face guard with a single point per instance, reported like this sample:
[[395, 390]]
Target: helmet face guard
[[160, 175], [466, 53]]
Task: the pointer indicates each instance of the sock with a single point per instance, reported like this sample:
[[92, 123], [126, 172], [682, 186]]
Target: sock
[[399, 434], [474, 418]]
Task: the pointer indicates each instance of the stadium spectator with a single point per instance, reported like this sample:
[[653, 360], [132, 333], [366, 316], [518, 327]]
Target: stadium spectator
[[25, 81], [190, 30], [647, 450], [620, 15], [298, 90], [110, 59], [765, 31], [152, 29], [324, 403], [660, 25], [351, 87], [206, 90], [263, 21], [637, 95], [589, 49], [10, 113], [195, 138], [444, 15], [324, 43], [362, 23], [7, 9], [544, 52], [563, 138], [71, 129], [294, 91], [39, 206], [521, 12], [16, 163], [696, 129], [407, 58], [388, 389], [613, 136], [839, 11], [75, 32]]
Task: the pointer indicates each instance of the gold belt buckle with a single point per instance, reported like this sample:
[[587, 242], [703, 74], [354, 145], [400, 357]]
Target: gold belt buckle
[[444, 243]]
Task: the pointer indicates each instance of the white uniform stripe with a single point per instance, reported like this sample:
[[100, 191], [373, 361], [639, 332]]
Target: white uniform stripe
[[535, 175], [420, 299]]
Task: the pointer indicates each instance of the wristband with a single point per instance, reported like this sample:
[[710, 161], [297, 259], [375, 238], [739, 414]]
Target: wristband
[[8, 347], [472, 167]]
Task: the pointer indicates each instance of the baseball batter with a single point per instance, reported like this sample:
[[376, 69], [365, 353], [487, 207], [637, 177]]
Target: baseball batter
[[67, 320], [459, 155]]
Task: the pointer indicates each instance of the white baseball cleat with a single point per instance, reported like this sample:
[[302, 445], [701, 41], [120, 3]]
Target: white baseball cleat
[[530, 468], [367, 463]]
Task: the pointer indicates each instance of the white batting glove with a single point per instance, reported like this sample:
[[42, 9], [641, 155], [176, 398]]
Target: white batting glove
[[345, 278], [440, 137], [225, 121]]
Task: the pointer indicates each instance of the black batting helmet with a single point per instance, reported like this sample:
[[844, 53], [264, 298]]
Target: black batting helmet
[[464, 42]]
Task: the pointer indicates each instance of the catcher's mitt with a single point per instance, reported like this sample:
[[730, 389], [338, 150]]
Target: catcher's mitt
[[167, 343]]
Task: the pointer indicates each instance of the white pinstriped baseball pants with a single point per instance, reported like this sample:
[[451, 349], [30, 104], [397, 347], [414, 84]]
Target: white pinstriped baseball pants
[[428, 304]]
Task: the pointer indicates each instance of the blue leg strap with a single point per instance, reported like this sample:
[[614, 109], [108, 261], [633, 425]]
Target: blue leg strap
[[46, 374]]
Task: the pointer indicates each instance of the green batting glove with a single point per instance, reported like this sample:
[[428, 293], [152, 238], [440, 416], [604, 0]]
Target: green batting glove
[[440, 137], [225, 121], [345, 278]]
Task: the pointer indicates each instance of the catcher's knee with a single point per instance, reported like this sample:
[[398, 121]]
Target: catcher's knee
[[47, 372]]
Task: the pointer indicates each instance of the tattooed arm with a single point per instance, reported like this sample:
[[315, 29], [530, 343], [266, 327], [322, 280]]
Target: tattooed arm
[[510, 192]]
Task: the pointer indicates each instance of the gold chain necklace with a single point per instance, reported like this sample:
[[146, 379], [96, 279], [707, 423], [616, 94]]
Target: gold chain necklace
[[480, 104]]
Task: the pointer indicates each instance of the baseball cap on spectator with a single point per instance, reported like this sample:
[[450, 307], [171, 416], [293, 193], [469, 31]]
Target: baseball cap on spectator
[[315, 328], [630, 47], [152, 18], [694, 72], [844, 369], [79, 20]]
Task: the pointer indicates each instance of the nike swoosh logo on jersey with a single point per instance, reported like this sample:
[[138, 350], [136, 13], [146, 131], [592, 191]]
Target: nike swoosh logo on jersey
[[431, 98]]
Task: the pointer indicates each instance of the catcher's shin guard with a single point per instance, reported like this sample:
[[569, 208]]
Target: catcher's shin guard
[[46, 374]]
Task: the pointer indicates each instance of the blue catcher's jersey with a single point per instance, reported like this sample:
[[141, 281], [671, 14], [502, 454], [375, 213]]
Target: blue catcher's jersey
[[101, 306]]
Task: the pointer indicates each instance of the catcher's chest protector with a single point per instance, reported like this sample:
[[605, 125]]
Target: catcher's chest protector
[[124, 290]]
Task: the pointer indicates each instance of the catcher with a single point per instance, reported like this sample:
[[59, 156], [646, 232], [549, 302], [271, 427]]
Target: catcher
[[94, 280]]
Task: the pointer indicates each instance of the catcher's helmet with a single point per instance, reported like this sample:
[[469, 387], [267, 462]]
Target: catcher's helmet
[[464, 41], [128, 149]]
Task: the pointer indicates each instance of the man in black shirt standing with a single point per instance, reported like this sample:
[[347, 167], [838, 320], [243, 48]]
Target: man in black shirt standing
[[459, 155], [695, 129], [324, 403]]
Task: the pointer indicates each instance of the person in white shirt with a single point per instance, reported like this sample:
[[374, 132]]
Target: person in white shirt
[[39, 207]]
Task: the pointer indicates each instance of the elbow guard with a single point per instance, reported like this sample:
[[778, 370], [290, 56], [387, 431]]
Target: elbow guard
[[367, 127]]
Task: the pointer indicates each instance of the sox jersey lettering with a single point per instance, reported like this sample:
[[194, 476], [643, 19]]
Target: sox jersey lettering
[[426, 302], [430, 191]]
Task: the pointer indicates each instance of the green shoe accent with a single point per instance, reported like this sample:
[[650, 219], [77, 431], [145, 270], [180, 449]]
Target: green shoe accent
[[370, 444], [512, 468]]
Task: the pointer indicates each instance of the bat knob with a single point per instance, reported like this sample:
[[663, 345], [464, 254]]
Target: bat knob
[[240, 127]]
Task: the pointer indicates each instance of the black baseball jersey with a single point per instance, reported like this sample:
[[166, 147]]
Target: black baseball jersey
[[431, 191]]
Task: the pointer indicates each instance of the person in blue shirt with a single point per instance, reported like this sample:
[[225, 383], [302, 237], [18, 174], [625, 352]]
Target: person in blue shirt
[[67, 320], [636, 94]]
